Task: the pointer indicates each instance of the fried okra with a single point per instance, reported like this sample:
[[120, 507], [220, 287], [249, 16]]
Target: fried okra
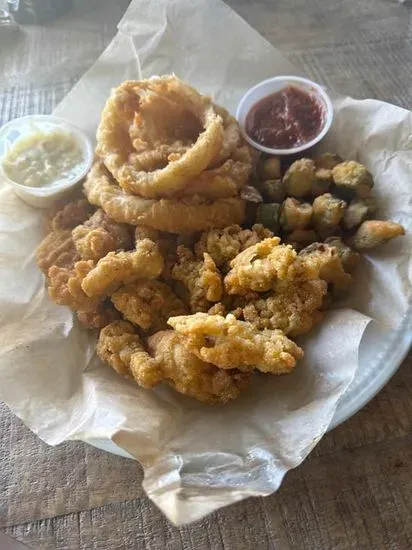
[[327, 214], [358, 211], [269, 169], [295, 214], [323, 180], [299, 178], [327, 161], [373, 233], [348, 257], [352, 179], [300, 238], [272, 190], [268, 215]]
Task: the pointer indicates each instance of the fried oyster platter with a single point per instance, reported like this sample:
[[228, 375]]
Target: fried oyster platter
[[197, 260]]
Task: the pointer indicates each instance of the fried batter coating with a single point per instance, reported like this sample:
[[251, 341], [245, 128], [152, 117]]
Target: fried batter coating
[[186, 215], [294, 311], [102, 316], [224, 244], [141, 233], [327, 214], [259, 266], [299, 178], [167, 360], [201, 278], [373, 233], [65, 286], [68, 216], [326, 262], [118, 345], [222, 181], [269, 169], [323, 180], [358, 210], [299, 238], [348, 257], [269, 216], [114, 144], [191, 376], [100, 235], [122, 268], [148, 304], [229, 343], [327, 161], [57, 249], [295, 214], [352, 179], [272, 190]]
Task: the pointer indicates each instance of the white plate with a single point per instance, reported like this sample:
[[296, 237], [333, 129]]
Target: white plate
[[380, 354]]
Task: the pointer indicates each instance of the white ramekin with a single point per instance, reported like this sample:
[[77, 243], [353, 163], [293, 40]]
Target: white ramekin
[[271, 86], [43, 197]]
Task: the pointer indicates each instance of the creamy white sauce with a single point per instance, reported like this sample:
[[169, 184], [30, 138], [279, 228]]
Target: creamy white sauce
[[44, 159]]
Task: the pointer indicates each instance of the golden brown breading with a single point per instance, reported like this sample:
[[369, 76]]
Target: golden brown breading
[[325, 261], [58, 249], [65, 286], [100, 235], [269, 169], [323, 180], [229, 343], [358, 210], [67, 216], [122, 268], [118, 344], [328, 211], [294, 311], [186, 215], [299, 178], [348, 257], [295, 214], [102, 316], [191, 376], [224, 244], [167, 359], [373, 233], [201, 279], [148, 304], [352, 179], [259, 267]]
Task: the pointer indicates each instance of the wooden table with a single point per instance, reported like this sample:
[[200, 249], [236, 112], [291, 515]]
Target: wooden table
[[355, 490]]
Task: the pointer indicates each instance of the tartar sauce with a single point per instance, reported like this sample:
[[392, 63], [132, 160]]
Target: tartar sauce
[[44, 159]]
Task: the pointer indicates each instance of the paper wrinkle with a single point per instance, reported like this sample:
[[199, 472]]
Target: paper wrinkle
[[199, 458]]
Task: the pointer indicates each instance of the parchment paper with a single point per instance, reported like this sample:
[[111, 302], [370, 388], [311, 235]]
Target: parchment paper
[[198, 458]]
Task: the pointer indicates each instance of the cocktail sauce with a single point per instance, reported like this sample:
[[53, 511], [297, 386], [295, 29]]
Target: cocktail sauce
[[286, 119]]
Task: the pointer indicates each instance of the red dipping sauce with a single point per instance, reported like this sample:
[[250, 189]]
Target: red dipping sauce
[[286, 119]]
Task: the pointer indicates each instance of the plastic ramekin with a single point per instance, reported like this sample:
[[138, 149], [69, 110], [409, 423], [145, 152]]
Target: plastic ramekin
[[271, 86], [43, 197]]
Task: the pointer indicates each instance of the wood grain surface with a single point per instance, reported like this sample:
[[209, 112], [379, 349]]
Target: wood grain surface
[[355, 489]]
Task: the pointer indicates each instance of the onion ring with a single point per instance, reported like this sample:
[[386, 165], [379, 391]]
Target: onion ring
[[114, 143], [187, 215]]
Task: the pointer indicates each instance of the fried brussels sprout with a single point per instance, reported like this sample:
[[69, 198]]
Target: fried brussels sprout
[[295, 214], [300, 238], [358, 211], [268, 215], [373, 233], [299, 178], [352, 179], [323, 180], [327, 161], [349, 257], [272, 190], [269, 169], [327, 214]]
